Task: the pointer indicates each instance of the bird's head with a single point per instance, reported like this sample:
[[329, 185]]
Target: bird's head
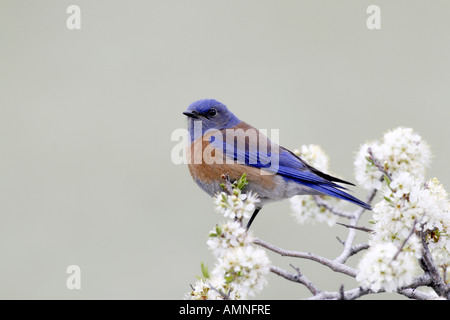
[[212, 114]]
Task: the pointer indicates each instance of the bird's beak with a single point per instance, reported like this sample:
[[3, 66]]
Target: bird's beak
[[191, 114]]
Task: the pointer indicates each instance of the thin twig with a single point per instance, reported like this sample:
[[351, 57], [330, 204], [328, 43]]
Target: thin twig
[[405, 241], [341, 292], [227, 186], [223, 294], [322, 203], [355, 227], [378, 164]]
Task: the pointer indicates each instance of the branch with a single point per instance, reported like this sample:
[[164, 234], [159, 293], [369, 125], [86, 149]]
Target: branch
[[348, 244], [410, 291], [333, 265], [427, 264], [341, 295], [296, 278]]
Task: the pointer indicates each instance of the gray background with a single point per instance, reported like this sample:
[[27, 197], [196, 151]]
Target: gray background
[[86, 116]]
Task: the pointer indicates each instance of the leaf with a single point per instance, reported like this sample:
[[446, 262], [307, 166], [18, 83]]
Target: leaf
[[242, 182], [387, 199], [205, 272], [218, 230], [388, 181]]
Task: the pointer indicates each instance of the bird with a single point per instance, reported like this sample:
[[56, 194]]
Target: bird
[[221, 144]]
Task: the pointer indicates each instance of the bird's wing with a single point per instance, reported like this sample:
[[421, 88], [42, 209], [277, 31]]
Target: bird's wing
[[246, 145], [239, 145]]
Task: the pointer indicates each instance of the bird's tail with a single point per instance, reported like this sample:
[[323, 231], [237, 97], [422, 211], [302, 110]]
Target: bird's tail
[[331, 190]]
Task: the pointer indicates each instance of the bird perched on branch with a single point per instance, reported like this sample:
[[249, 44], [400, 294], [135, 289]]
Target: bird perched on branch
[[221, 144]]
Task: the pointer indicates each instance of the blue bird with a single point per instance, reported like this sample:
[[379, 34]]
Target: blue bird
[[222, 144]]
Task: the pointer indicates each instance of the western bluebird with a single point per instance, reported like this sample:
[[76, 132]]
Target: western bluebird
[[223, 144]]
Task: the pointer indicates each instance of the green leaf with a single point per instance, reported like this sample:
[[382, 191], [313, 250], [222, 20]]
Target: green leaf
[[388, 181], [205, 271], [242, 182]]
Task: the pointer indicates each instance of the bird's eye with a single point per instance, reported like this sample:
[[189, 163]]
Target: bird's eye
[[212, 112]]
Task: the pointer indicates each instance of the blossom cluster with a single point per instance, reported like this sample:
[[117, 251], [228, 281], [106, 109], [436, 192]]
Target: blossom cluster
[[241, 268], [304, 207], [238, 205], [400, 150], [411, 208], [213, 288]]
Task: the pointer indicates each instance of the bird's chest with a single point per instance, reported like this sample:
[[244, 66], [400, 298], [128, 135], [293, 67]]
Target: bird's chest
[[205, 164]]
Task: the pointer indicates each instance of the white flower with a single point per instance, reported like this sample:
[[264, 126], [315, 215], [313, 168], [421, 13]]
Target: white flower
[[236, 206], [228, 235], [213, 289], [378, 270], [409, 203], [434, 200], [245, 267], [400, 150], [405, 150]]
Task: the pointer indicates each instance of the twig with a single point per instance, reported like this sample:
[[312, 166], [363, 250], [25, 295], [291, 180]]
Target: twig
[[357, 248], [405, 241], [227, 186], [340, 241], [356, 227], [322, 203], [223, 294], [377, 163], [341, 292]]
